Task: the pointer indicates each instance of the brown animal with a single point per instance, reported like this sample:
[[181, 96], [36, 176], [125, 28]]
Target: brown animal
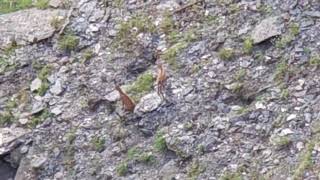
[[127, 102], [161, 79]]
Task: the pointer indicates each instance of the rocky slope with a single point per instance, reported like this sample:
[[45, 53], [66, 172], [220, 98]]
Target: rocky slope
[[241, 99]]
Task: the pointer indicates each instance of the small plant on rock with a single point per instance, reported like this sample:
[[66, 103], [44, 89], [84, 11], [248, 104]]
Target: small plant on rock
[[142, 85], [314, 61], [42, 4], [147, 158], [98, 143], [160, 143], [68, 42], [226, 54], [122, 169], [248, 46]]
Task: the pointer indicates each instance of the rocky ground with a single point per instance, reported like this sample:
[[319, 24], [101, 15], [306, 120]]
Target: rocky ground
[[241, 99]]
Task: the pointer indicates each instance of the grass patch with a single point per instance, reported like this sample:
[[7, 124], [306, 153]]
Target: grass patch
[[305, 162], [237, 87], [170, 54], [178, 42], [57, 22], [127, 34], [294, 29], [87, 55], [136, 154], [281, 70], [141, 86], [284, 95], [285, 40], [68, 42], [42, 4], [133, 153], [226, 54], [231, 176], [314, 61], [247, 46], [242, 110], [39, 118], [7, 6], [6, 118], [147, 158], [98, 144], [43, 88], [195, 170], [280, 141], [160, 143], [167, 24], [43, 74], [240, 75], [122, 169]]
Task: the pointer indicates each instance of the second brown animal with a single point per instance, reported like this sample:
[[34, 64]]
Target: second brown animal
[[161, 79], [127, 102]]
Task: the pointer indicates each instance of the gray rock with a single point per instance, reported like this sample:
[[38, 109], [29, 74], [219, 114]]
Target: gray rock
[[35, 84], [37, 107], [56, 111], [57, 88], [9, 137], [313, 14], [55, 3], [169, 170], [179, 142], [27, 26], [23, 121], [148, 103], [24, 149], [113, 96], [38, 161], [266, 29], [285, 132], [24, 171], [291, 117]]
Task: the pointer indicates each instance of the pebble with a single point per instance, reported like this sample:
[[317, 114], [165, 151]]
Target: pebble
[[291, 117], [35, 84]]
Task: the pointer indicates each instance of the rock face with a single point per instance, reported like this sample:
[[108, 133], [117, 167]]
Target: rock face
[[266, 29], [149, 103], [27, 26], [35, 84], [9, 138]]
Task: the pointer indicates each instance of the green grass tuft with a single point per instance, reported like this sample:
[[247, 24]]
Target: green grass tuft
[[248, 46], [98, 143], [127, 34], [314, 61], [133, 153], [43, 75], [42, 4], [7, 6], [147, 158], [122, 169], [281, 70], [195, 170], [6, 118], [226, 54], [39, 118], [160, 143], [231, 176], [141, 86], [305, 162], [68, 42]]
